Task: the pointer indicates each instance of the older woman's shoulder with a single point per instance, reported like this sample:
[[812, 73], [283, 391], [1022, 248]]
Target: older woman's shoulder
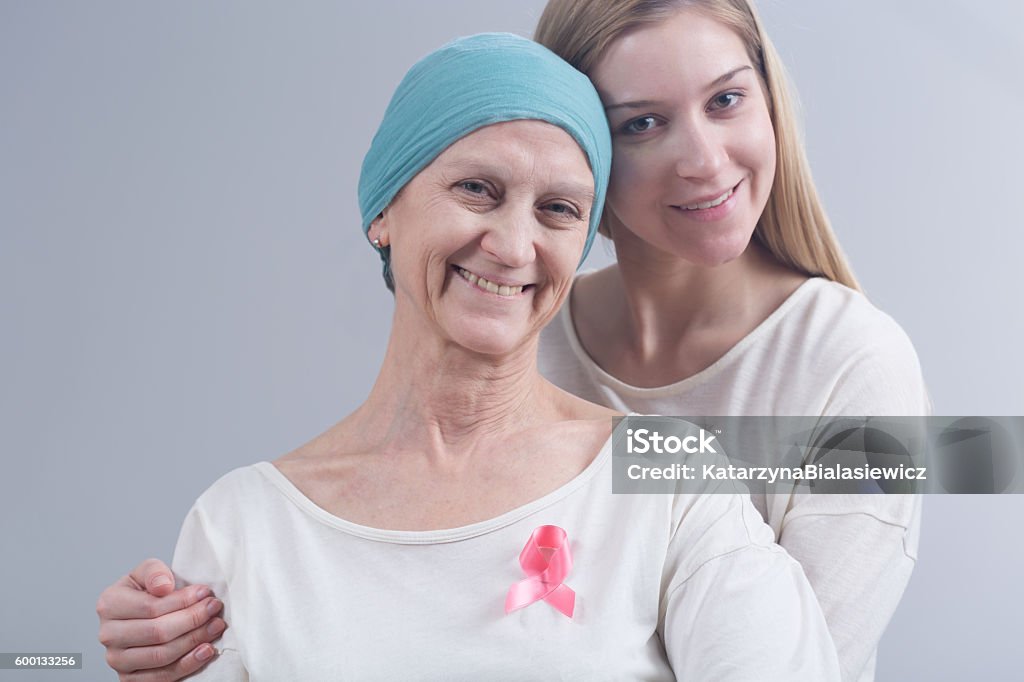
[[236, 487]]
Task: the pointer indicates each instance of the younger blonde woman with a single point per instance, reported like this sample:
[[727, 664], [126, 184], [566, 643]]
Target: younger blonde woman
[[731, 295]]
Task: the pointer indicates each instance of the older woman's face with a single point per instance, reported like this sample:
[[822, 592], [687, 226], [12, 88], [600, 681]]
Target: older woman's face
[[486, 239]]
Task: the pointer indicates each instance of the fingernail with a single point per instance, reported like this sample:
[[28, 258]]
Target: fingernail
[[202, 593], [162, 580], [204, 653], [215, 628], [214, 606]]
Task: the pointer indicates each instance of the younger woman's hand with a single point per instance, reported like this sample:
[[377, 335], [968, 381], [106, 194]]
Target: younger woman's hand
[[153, 632]]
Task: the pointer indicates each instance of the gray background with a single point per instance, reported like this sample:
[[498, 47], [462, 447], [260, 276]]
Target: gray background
[[184, 288]]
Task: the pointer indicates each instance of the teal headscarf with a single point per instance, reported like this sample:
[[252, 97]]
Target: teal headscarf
[[470, 83]]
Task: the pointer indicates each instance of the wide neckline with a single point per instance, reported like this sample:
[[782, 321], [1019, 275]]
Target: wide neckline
[[565, 318], [437, 536]]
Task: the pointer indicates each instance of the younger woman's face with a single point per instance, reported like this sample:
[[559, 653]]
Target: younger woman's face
[[694, 147]]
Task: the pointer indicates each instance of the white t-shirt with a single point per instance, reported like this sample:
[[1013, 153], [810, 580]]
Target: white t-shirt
[[688, 587], [825, 351]]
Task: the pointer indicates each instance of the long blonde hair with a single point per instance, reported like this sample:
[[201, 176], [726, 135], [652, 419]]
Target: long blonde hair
[[793, 227]]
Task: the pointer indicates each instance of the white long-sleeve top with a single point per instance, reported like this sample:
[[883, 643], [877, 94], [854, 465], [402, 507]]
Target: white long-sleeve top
[[687, 587], [825, 351]]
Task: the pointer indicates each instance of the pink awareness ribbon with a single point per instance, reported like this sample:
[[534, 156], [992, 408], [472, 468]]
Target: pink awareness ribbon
[[546, 561]]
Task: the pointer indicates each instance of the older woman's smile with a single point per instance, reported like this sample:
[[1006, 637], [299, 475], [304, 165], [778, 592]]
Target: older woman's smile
[[491, 284], [485, 240]]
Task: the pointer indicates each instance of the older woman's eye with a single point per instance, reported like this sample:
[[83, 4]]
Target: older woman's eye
[[474, 187], [561, 208], [641, 125], [727, 100]]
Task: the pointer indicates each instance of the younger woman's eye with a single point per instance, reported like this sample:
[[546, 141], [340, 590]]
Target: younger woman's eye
[[640, 125], [726, 100]]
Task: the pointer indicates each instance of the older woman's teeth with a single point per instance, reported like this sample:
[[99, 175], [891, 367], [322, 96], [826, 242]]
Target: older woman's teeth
[[486, 285], [709, 204]]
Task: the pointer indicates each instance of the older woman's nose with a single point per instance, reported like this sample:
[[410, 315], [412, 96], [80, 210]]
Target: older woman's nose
[[509, 238], [698, 151]]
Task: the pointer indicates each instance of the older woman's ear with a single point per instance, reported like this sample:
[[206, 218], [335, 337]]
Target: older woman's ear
[[378, 232]]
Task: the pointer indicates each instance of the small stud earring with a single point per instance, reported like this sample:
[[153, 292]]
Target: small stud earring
[[376, 242]]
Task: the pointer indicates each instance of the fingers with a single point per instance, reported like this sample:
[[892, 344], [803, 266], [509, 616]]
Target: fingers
[[124, 600], [153, 576], [148, 632], [181, 656], [128, 599], [194, 661], [152, 631]]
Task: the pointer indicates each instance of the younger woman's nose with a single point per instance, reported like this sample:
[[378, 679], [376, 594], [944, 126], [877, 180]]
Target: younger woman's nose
[[699, 153]]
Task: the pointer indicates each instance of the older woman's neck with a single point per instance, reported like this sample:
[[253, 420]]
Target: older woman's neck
[[433, 392]]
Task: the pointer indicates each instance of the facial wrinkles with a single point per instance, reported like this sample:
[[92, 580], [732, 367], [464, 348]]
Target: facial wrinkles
[[528, 180], [442, 225], [424, 191]]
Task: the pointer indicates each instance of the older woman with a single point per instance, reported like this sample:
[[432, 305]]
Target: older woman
[[460, 523]]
